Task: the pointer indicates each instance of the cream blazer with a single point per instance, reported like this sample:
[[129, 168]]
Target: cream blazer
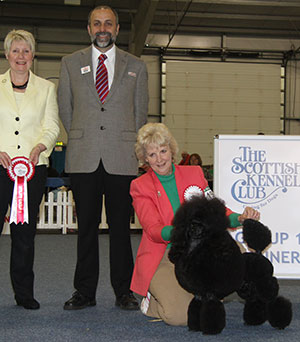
[[36, 121]]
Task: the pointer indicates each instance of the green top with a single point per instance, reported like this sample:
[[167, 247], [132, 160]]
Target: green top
[[169, 184], [233, 219]]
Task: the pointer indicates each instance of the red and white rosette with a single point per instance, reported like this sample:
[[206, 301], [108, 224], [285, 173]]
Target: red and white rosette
[[192, 191], [20, 171]]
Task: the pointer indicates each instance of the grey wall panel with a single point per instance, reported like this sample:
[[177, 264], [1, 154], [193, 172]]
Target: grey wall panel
[[204, 99]]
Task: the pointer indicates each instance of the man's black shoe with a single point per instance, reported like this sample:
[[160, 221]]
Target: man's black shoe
[[29, 304], [127, 302], [78, 301]]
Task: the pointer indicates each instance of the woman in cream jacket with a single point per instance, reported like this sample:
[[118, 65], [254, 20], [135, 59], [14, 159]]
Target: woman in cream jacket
[[29, 128]]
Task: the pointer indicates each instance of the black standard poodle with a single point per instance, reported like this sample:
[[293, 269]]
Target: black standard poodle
[[209, 264]]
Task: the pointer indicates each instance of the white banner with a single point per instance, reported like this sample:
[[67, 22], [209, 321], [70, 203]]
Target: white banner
[[264, 172]]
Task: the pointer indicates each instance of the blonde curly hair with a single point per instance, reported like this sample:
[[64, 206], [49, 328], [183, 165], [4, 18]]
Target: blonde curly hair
[[157, 134]]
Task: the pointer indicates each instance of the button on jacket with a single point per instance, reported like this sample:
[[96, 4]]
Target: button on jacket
[[36, 121]]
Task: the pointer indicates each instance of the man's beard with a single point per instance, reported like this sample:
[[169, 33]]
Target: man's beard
[[103, 44]]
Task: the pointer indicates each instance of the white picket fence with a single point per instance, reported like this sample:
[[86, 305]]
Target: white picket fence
[[58, 212]]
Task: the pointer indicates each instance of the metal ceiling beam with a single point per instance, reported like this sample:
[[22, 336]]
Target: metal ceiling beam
[[260, 18], [229, 16], [233, 31], [271, 3], [141, 25], [185, 11]]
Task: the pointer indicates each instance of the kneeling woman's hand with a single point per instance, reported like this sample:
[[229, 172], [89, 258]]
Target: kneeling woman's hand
[[249, 213]]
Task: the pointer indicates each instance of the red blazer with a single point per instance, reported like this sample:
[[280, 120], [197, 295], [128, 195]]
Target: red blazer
[[154, 211]]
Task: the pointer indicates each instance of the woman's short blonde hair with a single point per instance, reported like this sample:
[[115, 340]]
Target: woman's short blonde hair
[[19, 35], [157, 134]]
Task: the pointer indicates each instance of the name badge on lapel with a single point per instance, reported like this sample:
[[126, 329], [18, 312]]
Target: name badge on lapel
[[85, 69]]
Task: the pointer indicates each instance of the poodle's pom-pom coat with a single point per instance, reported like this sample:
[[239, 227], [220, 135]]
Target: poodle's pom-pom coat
[[255, 312], [212, 317], [194, 314], [203, 251], [191, 213], [256, 235], [280, 312], [209, 264]]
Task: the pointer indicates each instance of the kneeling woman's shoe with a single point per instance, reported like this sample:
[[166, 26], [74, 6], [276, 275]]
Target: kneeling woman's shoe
[[29, 304]]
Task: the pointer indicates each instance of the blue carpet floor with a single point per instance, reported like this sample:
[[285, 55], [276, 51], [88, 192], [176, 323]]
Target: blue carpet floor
[[54, 268]]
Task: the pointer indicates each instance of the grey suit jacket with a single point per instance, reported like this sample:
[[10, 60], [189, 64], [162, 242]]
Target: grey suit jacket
[[107, 131]]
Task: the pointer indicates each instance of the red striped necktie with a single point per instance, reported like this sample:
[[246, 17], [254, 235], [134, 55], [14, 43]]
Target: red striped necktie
[[102, 79]]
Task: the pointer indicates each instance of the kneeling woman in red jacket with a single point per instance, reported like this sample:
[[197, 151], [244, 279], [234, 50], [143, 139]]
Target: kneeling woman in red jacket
[[156, 196]]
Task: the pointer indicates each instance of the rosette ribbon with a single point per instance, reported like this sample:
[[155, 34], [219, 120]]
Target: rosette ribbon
[[20, 172]]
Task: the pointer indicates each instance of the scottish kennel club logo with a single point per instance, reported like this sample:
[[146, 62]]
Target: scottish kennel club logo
[[261, 181]]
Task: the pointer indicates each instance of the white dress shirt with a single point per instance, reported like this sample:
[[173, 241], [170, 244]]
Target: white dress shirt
[[109, 62]]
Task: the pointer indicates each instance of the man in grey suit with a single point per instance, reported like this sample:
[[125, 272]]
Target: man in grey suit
[[100, 153]]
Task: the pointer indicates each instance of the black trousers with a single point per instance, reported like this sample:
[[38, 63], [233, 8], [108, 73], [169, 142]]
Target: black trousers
[[88, 190], [22, 235]]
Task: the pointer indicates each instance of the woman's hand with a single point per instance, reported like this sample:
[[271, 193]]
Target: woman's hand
[[5, 160], [249, 213], [35, 153]]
